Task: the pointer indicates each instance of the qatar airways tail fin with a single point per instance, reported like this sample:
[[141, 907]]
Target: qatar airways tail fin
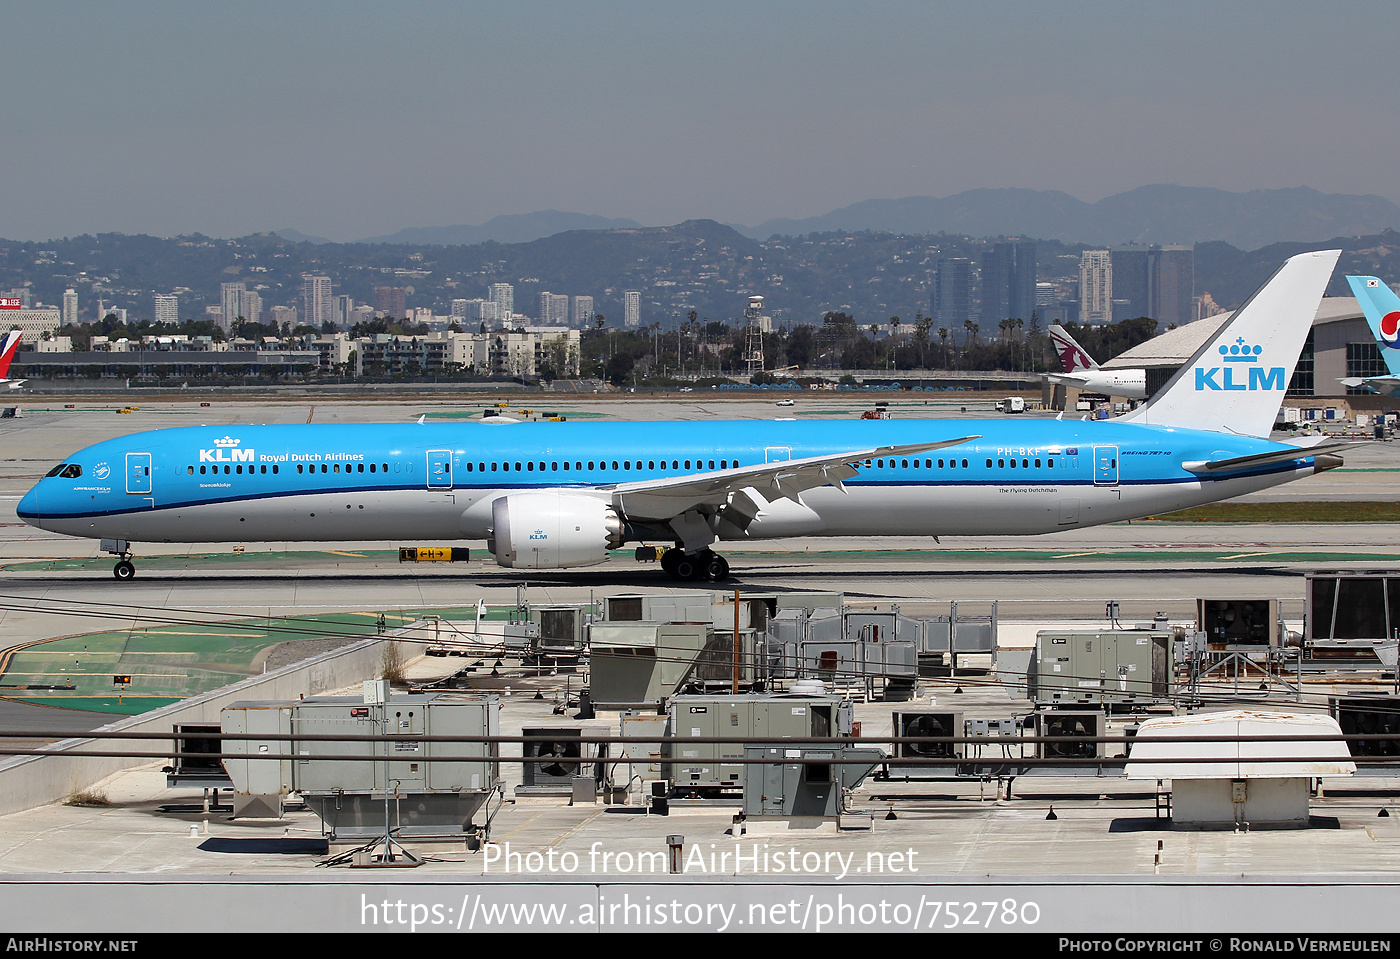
[[8, 349], [1236, 381], [1072, 356], [1382, 309]]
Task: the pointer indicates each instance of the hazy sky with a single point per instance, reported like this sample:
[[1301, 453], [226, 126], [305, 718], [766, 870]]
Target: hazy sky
[[349, 119]]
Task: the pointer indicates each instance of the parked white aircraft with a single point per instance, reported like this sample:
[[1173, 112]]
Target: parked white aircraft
[[1083, 373]]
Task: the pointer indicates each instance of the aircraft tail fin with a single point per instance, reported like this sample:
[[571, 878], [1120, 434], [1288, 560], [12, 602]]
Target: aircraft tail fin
[[1382, 309], [8, 349], [1236, 381], [1072, 356]]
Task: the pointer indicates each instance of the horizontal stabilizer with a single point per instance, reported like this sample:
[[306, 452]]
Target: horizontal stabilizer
[[1236, 463]]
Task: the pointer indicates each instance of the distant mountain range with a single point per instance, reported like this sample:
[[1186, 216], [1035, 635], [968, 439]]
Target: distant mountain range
[[513, 228], [1150, 214]]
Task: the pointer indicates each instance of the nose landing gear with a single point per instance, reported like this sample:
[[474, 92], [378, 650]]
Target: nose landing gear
[[120, 548]]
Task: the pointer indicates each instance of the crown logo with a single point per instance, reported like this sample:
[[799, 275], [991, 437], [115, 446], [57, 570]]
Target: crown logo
[[1240, 352], [227, 441]]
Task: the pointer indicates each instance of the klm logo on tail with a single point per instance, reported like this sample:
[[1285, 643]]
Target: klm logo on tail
[[1232, 376]]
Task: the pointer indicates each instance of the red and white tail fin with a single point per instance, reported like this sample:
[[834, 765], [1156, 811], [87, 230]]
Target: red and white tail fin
[[1072, 355], [8, 350]]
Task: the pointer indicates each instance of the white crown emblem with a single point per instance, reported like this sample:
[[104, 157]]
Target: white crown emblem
[[227, 441]]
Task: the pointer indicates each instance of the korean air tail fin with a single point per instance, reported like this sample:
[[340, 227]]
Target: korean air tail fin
[[1236, 381], [8, 349], [1072, 356], [1382, 309]]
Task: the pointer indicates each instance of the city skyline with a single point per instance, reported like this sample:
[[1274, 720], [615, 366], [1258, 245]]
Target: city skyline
[[738, 113]]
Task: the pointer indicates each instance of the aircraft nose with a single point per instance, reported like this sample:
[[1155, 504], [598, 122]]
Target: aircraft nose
[[28, 507]]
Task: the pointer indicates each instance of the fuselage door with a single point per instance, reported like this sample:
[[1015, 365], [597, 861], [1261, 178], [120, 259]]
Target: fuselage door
[[138, 472], [777, 454], [439, 469], [1105, 466]]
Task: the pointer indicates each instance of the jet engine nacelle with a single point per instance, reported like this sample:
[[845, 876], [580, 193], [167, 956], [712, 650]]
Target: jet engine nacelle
[[553, 529]]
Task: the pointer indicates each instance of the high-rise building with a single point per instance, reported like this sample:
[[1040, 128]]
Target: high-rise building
[[70, 307], [1171, 286], [167, 308], [582, 316], [250, 306], [554, 309], [1130, 280], [231, 300], [284, 316], [1008, 283], [951, 305], [632, 309], [344, 311], [1095, 287], [317, 300], [391, 301], [503, 295]]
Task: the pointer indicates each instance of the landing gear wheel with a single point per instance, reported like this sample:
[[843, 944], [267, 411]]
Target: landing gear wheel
[[124, 570], [668, 562], [685, 567], [717, 569]]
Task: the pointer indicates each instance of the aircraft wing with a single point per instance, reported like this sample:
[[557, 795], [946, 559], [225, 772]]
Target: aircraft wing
[[1065, 379], [1265, 459], [1388, 385], [665, 499]]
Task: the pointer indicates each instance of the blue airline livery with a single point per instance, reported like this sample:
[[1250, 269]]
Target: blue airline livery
[[1381, 307], [561, 495]]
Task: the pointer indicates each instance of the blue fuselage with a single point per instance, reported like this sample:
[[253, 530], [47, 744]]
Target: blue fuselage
[[393, 481]]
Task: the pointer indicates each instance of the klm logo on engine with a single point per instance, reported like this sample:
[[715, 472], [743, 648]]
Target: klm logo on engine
[[226, 451], [538, 534], [1232, 375]]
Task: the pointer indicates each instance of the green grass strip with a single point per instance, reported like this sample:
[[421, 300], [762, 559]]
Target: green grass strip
[[1309, 512]]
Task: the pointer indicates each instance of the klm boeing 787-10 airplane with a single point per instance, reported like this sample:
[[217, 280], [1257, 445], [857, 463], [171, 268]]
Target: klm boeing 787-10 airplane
[[560, 495]]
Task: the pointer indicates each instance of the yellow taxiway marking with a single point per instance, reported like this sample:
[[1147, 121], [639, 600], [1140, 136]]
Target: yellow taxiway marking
[[1270, 552], [338, 552], [1092, 552]]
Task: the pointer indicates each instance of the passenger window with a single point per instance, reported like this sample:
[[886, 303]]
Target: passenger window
[[201, 469], [228, 470], [627, 464], [940, 464], [687, 464], [590, 464], [371, 467], [1025, 464], [191, 470], [712, 464], [905, 463], [964, 464], [1001, 464], [553, 466], [530, 467], [675, 464], [1037, 463], [517, 466], [493, 467], [337, 468], [614, 464], [362, 467], [989, 463], [274, 467]]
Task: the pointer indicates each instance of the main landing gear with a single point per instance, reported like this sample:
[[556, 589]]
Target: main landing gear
[[120, 548], [705, 566]]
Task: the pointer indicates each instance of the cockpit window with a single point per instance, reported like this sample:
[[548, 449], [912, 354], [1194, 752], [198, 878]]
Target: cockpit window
[[71, 471], [56, 470]]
